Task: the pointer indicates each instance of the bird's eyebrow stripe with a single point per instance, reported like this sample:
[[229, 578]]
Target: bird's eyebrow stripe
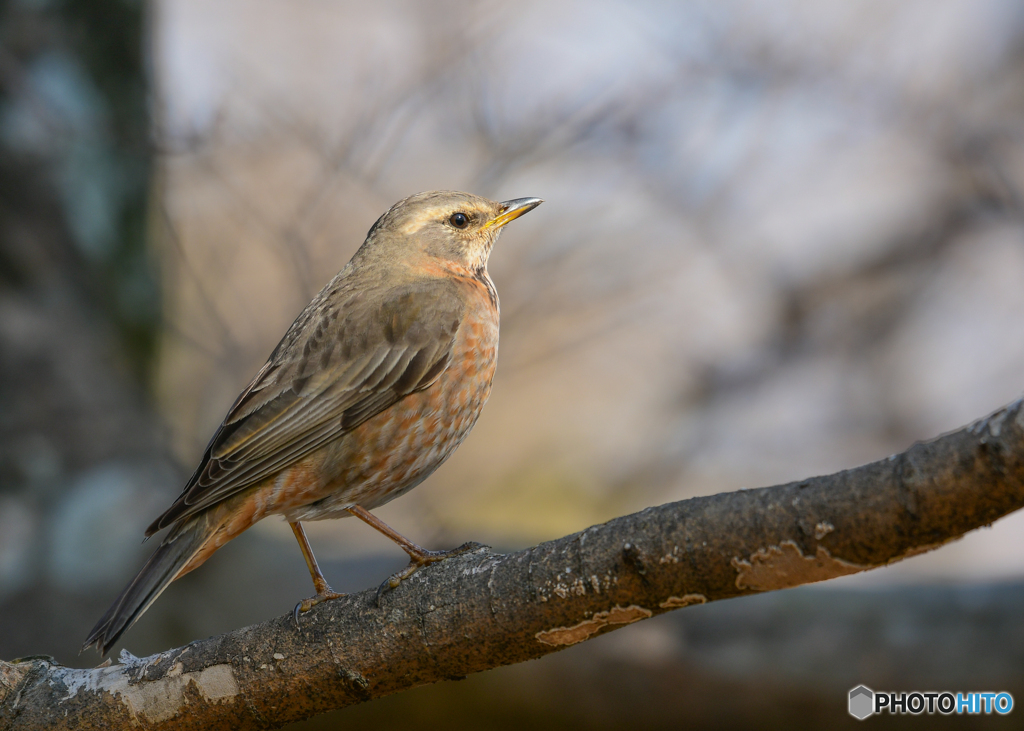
[[441, 213]]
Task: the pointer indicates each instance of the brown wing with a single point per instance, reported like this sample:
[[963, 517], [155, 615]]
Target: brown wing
[[342, 361]]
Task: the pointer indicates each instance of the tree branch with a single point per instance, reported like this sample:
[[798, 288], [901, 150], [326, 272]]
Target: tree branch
[[483, 610]]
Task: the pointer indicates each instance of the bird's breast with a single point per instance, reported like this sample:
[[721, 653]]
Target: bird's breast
[[398, 448]]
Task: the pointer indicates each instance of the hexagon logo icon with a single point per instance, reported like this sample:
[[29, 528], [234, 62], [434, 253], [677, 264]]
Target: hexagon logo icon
[[862, 702]]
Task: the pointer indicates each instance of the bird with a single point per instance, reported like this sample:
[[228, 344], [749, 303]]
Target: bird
[[371, 389]]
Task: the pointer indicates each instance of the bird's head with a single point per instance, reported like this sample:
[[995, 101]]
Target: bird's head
[[447, 225]]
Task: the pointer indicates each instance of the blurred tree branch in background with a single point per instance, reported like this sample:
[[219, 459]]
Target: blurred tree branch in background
[[483, 610], [82, 457], [75, 136]]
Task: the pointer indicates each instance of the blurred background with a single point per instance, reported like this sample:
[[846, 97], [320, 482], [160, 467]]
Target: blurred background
[[779, 240]]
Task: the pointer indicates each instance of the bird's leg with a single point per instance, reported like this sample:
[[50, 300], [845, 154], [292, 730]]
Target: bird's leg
[[418, 556], [323, 589]]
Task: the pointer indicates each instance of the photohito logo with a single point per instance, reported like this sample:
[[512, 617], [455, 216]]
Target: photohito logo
[[865, 702]]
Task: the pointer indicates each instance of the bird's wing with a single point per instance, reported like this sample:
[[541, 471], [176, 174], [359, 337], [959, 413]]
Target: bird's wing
[[337, 366]]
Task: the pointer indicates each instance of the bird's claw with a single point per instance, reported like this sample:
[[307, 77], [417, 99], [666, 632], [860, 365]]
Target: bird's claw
[[397, 578], [416, 562], [306, 604]]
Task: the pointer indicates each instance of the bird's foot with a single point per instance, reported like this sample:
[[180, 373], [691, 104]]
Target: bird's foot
[[420, 559], [323, 593]]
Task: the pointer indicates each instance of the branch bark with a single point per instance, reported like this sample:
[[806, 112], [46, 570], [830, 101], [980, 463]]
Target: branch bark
[[483, 610]]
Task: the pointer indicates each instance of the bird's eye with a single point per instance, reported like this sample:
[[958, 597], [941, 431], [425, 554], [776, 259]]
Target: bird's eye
[[459, 220]]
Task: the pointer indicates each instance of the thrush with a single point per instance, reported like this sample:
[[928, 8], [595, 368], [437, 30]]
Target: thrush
[[374, 385]]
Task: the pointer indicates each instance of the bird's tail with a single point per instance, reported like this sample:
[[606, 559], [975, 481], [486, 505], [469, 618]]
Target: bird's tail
[[178, 548]]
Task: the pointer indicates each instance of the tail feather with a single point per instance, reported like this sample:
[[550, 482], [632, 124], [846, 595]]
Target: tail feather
[[173, 554]]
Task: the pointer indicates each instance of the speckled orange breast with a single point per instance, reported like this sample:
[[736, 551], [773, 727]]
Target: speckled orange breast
[[397, 449]]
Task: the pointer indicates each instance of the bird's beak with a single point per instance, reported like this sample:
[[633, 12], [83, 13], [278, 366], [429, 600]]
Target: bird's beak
[[513, 209]]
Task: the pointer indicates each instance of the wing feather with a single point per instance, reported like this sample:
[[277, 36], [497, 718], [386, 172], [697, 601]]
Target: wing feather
[[341, 363]]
